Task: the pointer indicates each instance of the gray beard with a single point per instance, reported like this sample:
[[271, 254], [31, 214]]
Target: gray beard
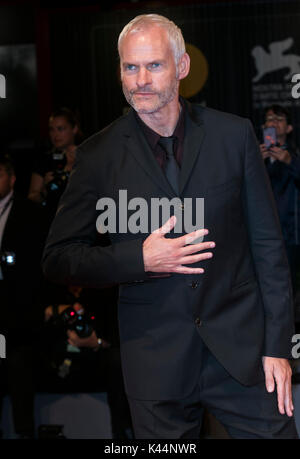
[[163, 99]]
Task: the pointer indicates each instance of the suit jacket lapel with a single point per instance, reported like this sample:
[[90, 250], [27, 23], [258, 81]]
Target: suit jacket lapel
[[193, 138], [138, 146]]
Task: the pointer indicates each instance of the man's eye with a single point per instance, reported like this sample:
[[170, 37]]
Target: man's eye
[[154, 65], [130, 67]]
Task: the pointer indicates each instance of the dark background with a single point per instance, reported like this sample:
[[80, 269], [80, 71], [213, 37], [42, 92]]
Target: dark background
[[75, 52]]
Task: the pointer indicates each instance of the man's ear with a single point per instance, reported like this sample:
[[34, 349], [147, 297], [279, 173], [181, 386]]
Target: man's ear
[[184, 66], [12, 181], [289, 128]]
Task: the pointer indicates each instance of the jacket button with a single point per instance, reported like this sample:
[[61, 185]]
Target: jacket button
[[194, 284], [198, 322]]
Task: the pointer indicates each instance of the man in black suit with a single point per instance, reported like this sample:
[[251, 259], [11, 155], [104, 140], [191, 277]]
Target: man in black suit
[[22, 235], [195, 330]]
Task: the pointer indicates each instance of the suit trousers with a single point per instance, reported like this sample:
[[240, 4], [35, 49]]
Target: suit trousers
[[246, 412]]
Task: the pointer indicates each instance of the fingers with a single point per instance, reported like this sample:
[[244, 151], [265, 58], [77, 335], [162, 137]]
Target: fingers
[[288, 402], [284, 392], [189, 255], [182, 240], [280, 395], [276, 152], [195, 258], [284, 396], [48, 313], [71, 337], [167, 227], [265, 152], [194, 235], [281, 375], [269, 380], [187, 270], [78, 308], [193, 248], [170, 255], [49, 177]]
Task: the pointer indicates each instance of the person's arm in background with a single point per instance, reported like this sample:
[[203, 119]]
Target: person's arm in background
[[292, 160], [37, 189], [265, 152], [93, 341]]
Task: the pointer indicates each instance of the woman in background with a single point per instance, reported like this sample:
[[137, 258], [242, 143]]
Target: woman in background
[[51, 172]]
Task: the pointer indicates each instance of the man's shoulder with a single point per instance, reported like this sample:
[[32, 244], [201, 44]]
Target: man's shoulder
[[107, 138], [24, 206], [28, 216], [212, 116]]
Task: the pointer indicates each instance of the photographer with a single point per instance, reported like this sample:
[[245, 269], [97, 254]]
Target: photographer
[[283, 166], [84, 322], [51, 172], [22, 235]]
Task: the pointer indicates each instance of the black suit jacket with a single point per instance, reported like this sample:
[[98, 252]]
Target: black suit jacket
[[24, 235], [241, 306]]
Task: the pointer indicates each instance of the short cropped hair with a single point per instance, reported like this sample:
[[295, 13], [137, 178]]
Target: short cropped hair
[[7, 164], [144, 21], [280, 111], [71, 118]]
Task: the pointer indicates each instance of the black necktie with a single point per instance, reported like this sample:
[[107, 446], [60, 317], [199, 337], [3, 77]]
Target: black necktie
[[171, 166]]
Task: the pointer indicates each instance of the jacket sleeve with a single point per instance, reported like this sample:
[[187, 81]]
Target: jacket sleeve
[[268, 252], [294, 167], [72, 255]]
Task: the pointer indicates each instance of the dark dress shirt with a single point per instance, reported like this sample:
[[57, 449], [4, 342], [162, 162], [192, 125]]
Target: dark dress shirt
[[153, 139]]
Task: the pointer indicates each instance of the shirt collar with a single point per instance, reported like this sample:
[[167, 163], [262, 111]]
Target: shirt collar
[[6, 199], [153, 137]]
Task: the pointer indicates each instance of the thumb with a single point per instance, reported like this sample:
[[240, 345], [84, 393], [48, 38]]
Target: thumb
[[167, 227]]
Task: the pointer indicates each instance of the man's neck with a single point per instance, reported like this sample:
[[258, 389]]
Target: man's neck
[[165, 120]]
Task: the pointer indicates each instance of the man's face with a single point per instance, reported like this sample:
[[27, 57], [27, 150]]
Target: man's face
[[279, 122], [61, 132], [148, 70], [6, 182]]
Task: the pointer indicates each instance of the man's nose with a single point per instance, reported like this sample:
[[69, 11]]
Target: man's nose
[[143, 77]]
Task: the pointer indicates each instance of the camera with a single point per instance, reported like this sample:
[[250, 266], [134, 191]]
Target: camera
[[82, 324], [59, 181], [7, 258]]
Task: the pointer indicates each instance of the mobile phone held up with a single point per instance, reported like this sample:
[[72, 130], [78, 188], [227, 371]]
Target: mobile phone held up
[[270, 138]]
